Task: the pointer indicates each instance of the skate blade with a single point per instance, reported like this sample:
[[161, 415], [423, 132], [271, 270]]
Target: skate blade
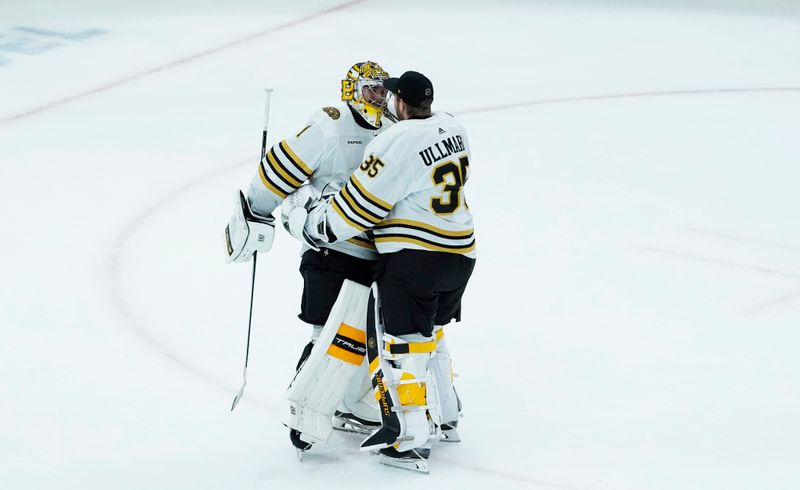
[[415, 465], [449, 436], [344, 425], [353, 430], [300, 454]]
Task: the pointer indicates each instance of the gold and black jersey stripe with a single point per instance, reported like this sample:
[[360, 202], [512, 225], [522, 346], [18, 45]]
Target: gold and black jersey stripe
[[359, 189], [362, 242], [284, 170], [269, 183], [424, 243], [359, 208], [294, 159], [361, 211], [346, 216], [426, 228], [425, 235]]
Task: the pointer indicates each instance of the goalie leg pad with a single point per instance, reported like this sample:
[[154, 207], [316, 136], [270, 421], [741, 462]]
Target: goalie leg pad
[[442, 368], [358, 412], [359, 399], [321, 383], [400, 378]]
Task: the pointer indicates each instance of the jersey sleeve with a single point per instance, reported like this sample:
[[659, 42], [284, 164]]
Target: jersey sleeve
[[369, 194], [286, 166]]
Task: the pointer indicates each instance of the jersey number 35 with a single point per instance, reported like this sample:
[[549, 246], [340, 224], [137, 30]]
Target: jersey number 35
[[372, 165], [453, 177]]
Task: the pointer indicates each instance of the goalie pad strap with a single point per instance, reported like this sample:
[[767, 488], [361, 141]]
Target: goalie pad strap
[[410, 348], [414, 347], [349, 345]]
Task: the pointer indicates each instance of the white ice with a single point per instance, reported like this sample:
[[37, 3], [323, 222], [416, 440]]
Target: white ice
[[634, 318]]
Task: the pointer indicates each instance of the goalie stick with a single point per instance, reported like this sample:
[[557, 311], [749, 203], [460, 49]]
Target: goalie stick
[[240, 394]]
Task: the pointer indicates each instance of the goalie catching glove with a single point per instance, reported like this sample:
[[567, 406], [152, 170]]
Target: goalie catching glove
[[295, 210], [247, 232]]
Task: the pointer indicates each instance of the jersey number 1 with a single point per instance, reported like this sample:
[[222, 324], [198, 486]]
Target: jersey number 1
[[451, 199]]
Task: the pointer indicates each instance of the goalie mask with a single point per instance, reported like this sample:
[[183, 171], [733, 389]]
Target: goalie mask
[[363, 90]]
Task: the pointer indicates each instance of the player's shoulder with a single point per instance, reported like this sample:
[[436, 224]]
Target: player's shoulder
[[395, 141], [324, 126], [413, 129], [444, 125], [445, 119], [332, 116]]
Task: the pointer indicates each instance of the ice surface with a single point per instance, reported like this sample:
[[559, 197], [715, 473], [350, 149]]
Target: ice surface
[[634, 317]]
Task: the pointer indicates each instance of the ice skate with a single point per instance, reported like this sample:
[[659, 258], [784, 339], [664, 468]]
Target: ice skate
[[348, 422], [411, 460], [449, 432], [300, 445]]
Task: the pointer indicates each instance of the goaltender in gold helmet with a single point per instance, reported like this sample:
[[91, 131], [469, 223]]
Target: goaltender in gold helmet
[[311, 162]]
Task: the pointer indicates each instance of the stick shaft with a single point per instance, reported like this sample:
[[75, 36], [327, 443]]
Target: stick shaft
[[268, 96], [250, 316], [240, 394]]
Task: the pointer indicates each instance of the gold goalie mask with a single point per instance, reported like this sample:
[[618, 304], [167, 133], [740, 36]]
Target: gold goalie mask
[[363, 90]]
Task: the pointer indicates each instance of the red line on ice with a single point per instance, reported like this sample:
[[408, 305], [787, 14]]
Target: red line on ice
[[630, 95], [721, 262], [173, 64], [759, 308], [137, 326], [742, 239]]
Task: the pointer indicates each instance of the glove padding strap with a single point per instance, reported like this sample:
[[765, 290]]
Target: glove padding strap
[[247, 232]]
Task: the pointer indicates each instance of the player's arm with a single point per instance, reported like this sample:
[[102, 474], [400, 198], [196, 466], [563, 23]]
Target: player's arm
[[363, 202], [286, 166]]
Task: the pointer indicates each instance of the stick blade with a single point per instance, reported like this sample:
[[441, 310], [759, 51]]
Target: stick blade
[[238, 396]]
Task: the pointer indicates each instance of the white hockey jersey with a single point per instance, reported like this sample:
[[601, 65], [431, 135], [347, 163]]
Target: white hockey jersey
[[409, 190], [325, 153]]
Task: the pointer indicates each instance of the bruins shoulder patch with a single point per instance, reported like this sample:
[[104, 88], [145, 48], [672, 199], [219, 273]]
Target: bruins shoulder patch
[[332, 111]]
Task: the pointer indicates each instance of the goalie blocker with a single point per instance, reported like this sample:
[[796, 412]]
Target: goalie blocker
[[247, 232]]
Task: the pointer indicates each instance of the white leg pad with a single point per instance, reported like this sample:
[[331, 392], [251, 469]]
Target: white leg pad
[[401, 380], [442, 368], [338, 354], [411, 373], [359, 398]]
